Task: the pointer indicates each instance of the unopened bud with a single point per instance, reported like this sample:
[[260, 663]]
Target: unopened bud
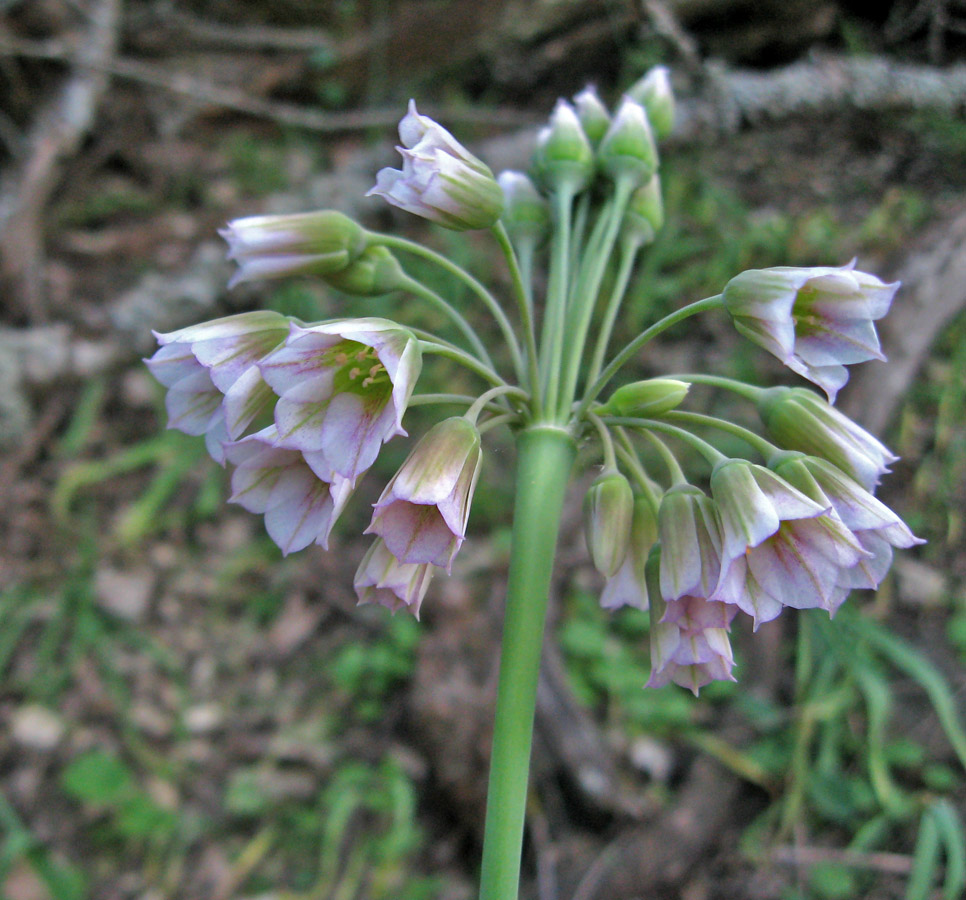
[[628, 148], [593, 114], [608, 509], [654, 93], [563, 155], [375, 272], [644, 216], [646, 399], [526, 213]]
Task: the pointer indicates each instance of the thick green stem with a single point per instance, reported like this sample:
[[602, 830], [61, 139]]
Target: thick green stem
[[546, 456]]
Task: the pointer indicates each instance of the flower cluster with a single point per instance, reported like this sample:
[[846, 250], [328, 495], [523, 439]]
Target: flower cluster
[[301, 411]]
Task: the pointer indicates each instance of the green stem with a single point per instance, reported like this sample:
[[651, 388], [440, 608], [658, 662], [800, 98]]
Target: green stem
[[463, 358], [708, 451], [491, 303], [546, 456], [525, 304], [420, 290], [629, 250], [748, 391], [766, 448], [630, 349]]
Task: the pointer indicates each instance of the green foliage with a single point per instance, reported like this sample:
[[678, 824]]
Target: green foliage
[[100, 781]]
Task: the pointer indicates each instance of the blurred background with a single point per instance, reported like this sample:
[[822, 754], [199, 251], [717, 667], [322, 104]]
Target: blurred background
[[184, 714]]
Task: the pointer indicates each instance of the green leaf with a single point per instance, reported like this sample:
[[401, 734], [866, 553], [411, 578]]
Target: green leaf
[[98, 777]]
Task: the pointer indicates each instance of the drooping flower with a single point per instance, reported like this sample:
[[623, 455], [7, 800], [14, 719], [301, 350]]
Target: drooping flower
[[628, 586], [312, 243], [779, 547], [690, 543], [877, 528], [608, 508], [422, 514], [689, 637], [381, 578], [299, 494], [801, 420], [342, 389], [210, 370], [815, 320], [440, 179]]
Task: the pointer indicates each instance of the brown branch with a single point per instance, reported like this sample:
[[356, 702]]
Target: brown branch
[[56, 134]]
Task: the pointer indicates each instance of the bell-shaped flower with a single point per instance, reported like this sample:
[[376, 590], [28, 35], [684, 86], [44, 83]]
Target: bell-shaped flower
[[440, 179], [526, 213], [628, 148], [210, 370], [689, 637], [801, 420], [877, 528], [343, 387], [593, 115], [815, 320], [628, 586], [654, 93], [690, 543], [563, 157], [299, 494], [383, 579], [422, 514], [313, 243], [779, 547], [608, 508]]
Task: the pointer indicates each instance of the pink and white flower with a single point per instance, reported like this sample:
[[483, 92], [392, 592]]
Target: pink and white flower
[[342, 389], [815, 320], [422, 514], [779, 547], [299, 494], [440, 179], [383, 579], [211, 372], [628, 586]]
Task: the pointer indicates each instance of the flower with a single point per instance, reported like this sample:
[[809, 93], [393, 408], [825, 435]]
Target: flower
[[815, 320], [563, 156], [654, 93], [440, 179], [628, 147], [690, 543], [877, 528], [210, 370], [689, 637], [779, 547], [383, 579], [312, 243], [299, 494], [422, 514], [342, 389], [608, 508], [628, 586], [801, 420]]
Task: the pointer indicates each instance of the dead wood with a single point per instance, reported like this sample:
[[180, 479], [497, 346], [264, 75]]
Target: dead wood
[[54, 137], [933, 291]]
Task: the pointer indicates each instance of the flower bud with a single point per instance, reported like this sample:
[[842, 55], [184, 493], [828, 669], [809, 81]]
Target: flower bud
[[314, 243], [592, 113], [628, 148], [646, 399], [654, 93], [644, 215], [563, 154], [801, 420], [373, 273], [526, 213], [628, 586], [608, 508]]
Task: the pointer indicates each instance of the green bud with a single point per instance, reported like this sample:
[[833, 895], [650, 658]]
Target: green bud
[[373, 273], [646, 399], [645, 212], [592, 114], [563, 154], [654, 93], [628, 148], [608, 508], [526, 213]]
